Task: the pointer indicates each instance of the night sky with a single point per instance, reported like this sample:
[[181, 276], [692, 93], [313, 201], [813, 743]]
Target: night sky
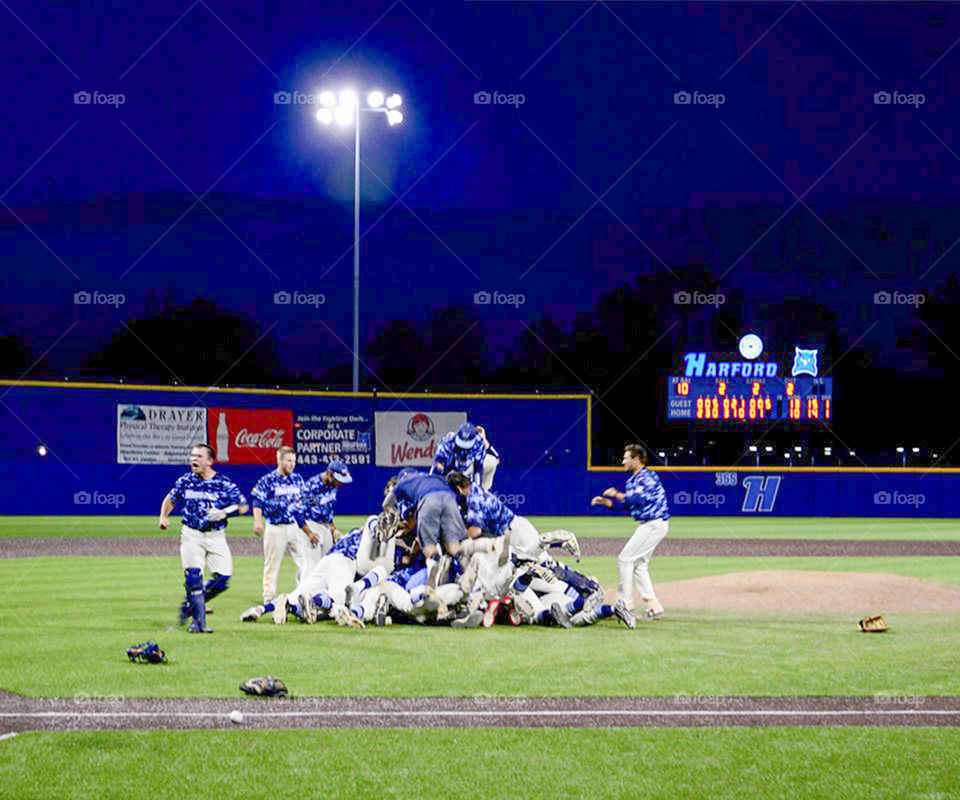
[[799, 197]]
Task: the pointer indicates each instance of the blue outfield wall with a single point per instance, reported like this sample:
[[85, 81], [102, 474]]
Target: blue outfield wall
[[543, 441]]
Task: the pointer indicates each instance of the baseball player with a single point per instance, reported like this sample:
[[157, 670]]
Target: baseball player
[[438, 517], [279, 517], [491, 460], [320, 497], [463, 451], [646, 501], [208, 498]]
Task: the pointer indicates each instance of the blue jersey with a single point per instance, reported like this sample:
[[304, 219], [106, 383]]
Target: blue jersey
[[280, 497], [645, 498], [455, 458], [320, 499], [348, 545], [414, 487], [402, 575], [485, 510], [197, 495]]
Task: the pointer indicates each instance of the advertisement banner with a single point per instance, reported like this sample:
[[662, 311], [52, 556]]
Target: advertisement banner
[[321, 438], [409, 439], [158, 434], [249, 435]]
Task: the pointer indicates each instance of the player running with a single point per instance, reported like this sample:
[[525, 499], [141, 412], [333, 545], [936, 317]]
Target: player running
[[208, 498], [320, 497], [646, 501], [279, 517]]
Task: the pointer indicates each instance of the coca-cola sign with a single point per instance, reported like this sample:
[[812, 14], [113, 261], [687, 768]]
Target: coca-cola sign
[[249, 435]]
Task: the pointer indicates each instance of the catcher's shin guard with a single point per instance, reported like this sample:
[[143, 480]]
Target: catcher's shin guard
[[578, 581], [216, 585], [194, 585]]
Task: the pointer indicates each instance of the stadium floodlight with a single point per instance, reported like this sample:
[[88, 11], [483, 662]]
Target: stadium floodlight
[[42, 450], [661, 454], [853, 454], [914, 449], [798, 449], [787, 455], [768, 448], [752, 448], [899, 449], [828, 451], [344, 108]]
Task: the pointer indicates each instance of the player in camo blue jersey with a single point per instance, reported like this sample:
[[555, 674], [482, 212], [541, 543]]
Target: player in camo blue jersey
[[320, 497], [279, 516], [208, 498], [463, 451], [646, 500]]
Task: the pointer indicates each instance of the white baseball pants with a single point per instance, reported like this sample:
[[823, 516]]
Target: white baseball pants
[[634, 560], [314, 554], [199, 550], [276, 539], [332, 574]]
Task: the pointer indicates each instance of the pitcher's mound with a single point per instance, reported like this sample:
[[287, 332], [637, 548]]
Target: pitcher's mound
[[857, 593]]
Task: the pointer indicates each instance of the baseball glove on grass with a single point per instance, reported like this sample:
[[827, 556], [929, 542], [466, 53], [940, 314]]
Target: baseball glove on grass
[[875, 624], [267, 686], [146, 653]]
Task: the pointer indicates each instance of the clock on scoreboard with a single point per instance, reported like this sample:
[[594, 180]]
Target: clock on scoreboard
[[725, 391]]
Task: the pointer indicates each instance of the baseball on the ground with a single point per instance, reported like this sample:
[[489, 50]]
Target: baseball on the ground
[[236, 716]]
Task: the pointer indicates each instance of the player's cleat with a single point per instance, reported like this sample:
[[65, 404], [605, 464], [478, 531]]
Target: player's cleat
[[380, 610], [624, 614], [490, 615], [469, 577], [308, 609], [280, 609], [569, 544], [653, 611], [560, 616], [344, 616], [252, 614], [195, 627], [471, 619]]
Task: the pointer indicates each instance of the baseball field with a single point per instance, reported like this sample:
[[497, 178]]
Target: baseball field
[[757, 680]]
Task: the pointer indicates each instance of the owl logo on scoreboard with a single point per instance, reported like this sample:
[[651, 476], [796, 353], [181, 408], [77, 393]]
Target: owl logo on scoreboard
[[804, 362]]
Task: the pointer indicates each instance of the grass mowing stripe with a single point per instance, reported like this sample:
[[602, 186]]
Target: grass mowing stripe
[[615, 526]]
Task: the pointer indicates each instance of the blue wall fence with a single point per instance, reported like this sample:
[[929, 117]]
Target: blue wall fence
[[543, 441]]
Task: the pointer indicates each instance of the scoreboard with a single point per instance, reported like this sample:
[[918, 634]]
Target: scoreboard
[[739, 393]]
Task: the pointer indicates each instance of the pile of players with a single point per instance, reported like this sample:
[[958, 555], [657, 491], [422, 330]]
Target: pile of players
[[442, 549]]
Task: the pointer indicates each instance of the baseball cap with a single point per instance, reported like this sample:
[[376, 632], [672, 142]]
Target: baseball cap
[[340, 472], [466, 436]]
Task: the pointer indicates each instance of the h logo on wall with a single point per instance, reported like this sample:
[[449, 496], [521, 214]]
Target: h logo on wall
[[761, 492], [249, 435]]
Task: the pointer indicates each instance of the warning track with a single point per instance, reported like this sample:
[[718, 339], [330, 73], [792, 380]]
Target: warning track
[[243, 546], [18, 714]]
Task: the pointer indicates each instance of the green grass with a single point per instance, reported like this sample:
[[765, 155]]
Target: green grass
[[482, 763], [616, 526], [66, 622]]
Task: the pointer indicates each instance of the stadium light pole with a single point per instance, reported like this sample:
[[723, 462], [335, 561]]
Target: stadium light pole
[[345, 109]]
